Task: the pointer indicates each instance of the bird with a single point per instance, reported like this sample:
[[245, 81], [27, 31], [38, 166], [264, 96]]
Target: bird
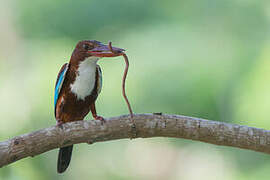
[[77, 87]]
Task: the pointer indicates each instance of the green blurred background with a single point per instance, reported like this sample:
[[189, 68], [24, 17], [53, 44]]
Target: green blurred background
[[208, 59]]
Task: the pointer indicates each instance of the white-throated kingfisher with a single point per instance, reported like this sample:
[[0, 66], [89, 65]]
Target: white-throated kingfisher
[[77, 87]]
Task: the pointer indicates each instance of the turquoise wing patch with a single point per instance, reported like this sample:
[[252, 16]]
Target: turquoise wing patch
[[59, 83]]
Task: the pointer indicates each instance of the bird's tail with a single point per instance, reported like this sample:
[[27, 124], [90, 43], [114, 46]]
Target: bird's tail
[[64, 157]]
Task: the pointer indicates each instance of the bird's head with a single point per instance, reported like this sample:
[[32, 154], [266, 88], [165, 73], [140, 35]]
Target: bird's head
[[92, 48]]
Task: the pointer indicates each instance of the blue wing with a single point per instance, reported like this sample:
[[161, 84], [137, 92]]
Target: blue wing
[[59, 83]]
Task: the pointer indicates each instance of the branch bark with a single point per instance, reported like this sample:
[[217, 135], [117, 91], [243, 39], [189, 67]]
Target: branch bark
[[147, 125]]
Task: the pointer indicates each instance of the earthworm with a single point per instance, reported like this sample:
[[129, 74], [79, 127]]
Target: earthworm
[[124, 78]]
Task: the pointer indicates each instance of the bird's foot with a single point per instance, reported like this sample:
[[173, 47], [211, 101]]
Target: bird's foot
[[59, 123], [100, 118]]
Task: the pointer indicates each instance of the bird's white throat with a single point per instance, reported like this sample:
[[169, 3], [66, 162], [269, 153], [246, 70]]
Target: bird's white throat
[[85, 79]]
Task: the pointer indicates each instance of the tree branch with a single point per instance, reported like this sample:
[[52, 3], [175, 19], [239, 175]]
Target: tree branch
[[147, 125]]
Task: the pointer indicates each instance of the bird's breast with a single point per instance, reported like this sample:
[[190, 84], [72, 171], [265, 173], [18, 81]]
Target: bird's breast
[[85, 79]]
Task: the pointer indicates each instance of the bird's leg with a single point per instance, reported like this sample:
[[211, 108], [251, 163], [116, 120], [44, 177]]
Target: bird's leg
[[94, 113]]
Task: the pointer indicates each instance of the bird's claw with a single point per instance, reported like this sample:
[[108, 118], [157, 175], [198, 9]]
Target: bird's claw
[[59, 123], [100, 118]]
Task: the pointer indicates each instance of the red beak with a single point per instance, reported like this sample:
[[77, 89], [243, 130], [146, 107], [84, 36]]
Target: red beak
[[104, 51]]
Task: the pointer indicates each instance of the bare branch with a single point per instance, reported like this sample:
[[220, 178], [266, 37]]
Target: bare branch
[[147, 125]]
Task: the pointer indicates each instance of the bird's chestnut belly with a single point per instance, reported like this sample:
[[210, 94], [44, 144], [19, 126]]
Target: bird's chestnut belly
[[73, 109]]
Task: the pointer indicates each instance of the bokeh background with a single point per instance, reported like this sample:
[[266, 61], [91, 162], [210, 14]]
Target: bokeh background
[[208, 59]]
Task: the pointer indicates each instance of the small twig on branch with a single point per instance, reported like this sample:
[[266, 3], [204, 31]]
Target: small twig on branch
[[147, 125]]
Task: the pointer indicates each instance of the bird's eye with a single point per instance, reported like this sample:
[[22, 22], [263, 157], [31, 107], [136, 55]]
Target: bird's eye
[[87, 46]]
